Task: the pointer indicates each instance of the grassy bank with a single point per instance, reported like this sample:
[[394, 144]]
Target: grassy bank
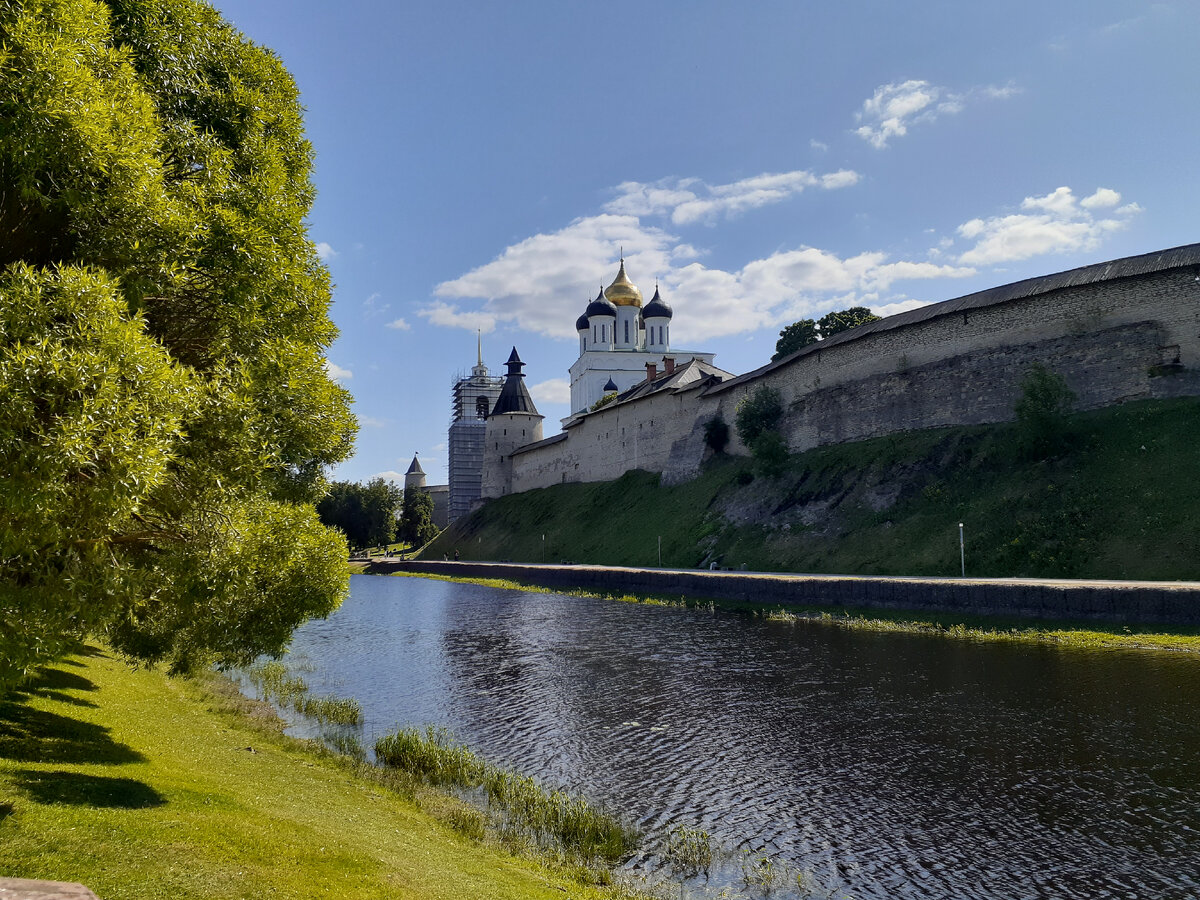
[[1120, 500], [1080, 635], [142, 786]]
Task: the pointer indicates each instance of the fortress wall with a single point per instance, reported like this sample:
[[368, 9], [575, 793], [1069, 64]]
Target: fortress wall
[[1117, 340]]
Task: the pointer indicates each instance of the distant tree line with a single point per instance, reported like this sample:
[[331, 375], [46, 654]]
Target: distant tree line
[[378, 513]]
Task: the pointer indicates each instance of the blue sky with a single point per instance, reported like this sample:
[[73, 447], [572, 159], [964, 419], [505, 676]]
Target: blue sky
[[480, 165]]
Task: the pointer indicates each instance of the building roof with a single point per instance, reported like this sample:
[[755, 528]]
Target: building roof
[[692, 374], [623, 292], [415, 468], [657, 307], [1113, 270], [514, 396], [610, 386], [601, 306]]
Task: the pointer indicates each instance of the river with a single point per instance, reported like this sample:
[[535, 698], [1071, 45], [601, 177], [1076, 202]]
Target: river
[[884, 765]]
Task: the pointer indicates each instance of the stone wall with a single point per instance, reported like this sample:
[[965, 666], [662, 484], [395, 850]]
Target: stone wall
[[1115, 339], [1108, 601]]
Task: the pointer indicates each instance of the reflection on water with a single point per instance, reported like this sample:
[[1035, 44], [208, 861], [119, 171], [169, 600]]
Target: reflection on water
[[889, 765]]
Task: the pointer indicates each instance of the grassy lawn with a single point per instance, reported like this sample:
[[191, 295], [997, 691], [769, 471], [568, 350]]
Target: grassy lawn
[[142, 786]]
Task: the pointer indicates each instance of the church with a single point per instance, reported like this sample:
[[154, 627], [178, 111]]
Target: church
[[620, 340]]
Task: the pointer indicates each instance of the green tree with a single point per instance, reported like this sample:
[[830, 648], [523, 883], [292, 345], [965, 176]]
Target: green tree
[[165, 415], [366, 514], [843, 320], [794, 337], [416, 519], [716, 433], [1042, 410], [758, 412]]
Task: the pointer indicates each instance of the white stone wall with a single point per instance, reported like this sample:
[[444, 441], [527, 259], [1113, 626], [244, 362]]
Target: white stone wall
[[1113, 341]]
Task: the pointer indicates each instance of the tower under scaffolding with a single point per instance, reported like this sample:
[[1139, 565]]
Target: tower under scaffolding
[[472, 399]]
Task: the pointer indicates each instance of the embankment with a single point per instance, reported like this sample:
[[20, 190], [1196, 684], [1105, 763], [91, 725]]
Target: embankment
[[1118, 500], [1143, 603]]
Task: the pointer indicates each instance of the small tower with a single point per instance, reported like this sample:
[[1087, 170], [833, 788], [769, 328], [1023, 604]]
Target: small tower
[[602, 317], [625, 296], [473, 397], [415, 476], [513, 423]]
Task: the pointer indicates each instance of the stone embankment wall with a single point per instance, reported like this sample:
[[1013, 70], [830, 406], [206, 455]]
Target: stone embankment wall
[[1176, 603], [956, 363]]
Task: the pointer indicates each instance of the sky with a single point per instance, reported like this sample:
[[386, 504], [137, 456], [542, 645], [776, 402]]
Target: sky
[[480, 167]]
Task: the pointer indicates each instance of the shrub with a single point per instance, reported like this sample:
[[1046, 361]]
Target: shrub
[[716, 433], [757, 413], [1042, 411], [771, 453]]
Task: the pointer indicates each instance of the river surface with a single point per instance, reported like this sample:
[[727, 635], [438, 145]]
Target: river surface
[[885, 765]]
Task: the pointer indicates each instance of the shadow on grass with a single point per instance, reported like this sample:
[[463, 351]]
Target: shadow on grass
[[87, 790], [52, 684], [33, 735]]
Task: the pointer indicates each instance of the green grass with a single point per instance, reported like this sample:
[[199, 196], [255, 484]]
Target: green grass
[[550, 819], [1080, 635], [1122, 500], [140, 786]]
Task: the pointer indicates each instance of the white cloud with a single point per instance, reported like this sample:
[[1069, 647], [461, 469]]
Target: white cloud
[[819, 146], [399, 324], [556, 390], [1055, 223], [894, 108], [372, 422], [325, 252], [337, 373], [688, 200], [389, 475], [452, 317]]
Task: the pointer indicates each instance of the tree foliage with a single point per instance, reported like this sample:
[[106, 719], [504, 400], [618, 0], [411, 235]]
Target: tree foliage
[[843, 320], [758, 412], [165, 414], [806, 331], [716, 434], [1042, 410], [366, 514], [416, 519], [795, 337]]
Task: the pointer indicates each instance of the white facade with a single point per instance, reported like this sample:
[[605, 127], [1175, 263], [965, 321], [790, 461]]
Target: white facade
[[620, 340]]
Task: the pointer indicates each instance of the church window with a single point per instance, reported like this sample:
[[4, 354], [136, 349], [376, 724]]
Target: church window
[[481, 407], [627, 331]]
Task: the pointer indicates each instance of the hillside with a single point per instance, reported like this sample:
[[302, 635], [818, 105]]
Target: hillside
[[1120, 499]]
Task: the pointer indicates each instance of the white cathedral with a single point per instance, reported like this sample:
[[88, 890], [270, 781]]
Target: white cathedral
[[621, 343]]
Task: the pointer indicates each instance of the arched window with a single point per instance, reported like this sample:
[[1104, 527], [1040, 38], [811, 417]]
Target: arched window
[[627, 331], [481, 407]]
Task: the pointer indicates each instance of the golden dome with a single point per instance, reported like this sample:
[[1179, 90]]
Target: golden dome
[[623, 292]]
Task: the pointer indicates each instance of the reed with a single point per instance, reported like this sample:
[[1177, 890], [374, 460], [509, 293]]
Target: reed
[[688, 850], [275, 682], [520, 808]]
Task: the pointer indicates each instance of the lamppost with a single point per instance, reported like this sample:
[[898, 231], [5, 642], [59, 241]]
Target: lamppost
[[962, 553]]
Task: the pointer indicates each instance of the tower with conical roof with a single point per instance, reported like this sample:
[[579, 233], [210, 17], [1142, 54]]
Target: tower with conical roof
[[414, 478], [474, 396], [513, 423]]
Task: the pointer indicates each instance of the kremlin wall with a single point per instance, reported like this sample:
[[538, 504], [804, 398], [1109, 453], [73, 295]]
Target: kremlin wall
[[1117, 331]]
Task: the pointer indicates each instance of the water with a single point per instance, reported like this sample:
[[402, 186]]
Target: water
[[887, 766]]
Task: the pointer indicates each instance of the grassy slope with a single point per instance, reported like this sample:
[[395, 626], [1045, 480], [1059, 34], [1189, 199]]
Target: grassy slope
[[141, 786], [1122, 501]]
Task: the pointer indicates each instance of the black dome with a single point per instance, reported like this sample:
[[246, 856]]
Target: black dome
[[657, 307], [581, 324], [601, 306]]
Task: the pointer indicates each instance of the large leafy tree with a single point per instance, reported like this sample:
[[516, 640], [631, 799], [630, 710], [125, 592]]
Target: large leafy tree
[[416, 518], [165, 414], [807, 331]]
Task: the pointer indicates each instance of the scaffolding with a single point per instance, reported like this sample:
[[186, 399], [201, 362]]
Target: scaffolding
[[472, 399]]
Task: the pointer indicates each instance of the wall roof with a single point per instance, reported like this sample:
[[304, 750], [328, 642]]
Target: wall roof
[[1127, 267]]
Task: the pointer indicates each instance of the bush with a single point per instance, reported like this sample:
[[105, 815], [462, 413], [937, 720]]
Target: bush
[[771, 453], [757, 413], [1042, 411], [716, 434]]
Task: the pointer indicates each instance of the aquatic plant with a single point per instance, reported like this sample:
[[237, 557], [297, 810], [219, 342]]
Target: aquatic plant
[[688, 850], [275, 682], [523, 810]]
